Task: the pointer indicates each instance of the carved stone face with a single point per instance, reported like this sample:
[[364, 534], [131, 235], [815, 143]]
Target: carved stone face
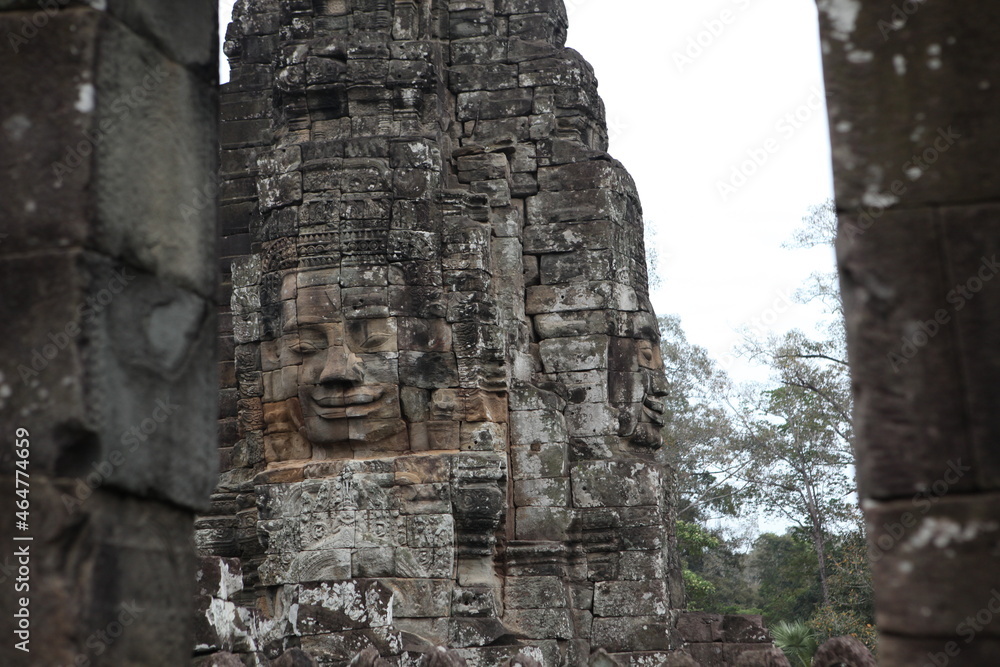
[[339, 405], [345, 372]]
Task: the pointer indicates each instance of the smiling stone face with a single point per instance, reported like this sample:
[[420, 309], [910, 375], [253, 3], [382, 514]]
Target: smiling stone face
[[337, 379]]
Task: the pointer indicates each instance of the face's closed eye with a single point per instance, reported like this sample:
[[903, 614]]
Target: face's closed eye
[[305, 349], [310, 341], [375, 341], [370, 336]]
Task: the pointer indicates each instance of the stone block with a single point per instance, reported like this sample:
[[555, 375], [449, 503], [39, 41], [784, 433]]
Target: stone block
[[340, 606], [421, 631], [137, 98], [910, 133], [916, 546], [615, 484], [630, 598], [219, 577], [561, 71], [561, 237], [376, 528], [483, 105], [537, 427], [535, 593], [643, 565], [422, 469], [576, 324], [430, 531], [420, 598], [733, 654], [491, 76], [923, 392], [576, 296], [711, 655], [167, 223], [575, 206], [539, 461], [950, 650], [541, 623], [421, 498], [373, 562], [970, 233], [542, 523], [424, 335], [507, 7], [429, 370], [643, 633], [464, 632], [578, 353], [699, 627], [106, 321], [483, 437], [590, 175], [539, 27], [133, 570], [478, 50], [48, 135], [745, 629], [435, 563], [342, 647], [184, 30], [483, 167], [414, 154], [576, 266], [592, 419], [545, 492], [477, 601]]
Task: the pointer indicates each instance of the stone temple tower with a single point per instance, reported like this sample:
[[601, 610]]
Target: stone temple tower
[[441, 406]]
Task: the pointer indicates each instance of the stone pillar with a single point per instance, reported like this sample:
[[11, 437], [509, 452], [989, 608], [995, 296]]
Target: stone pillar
[[107, 276], [913, 93]]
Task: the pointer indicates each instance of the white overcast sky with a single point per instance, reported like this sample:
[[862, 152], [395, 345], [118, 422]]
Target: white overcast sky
[[693, 90]]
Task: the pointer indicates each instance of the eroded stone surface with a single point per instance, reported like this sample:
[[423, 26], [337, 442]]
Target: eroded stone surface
[[446, 362]]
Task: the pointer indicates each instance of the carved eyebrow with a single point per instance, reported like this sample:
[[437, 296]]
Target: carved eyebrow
[[311, 329]]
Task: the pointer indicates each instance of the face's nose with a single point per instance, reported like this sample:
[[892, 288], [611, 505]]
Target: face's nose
[[341, 367]]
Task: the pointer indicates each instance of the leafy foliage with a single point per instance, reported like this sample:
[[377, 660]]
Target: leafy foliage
[[700, 592], [785, 567], [699, 427], [797, 642]]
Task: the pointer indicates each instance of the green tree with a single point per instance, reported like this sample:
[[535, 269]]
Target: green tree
[[782, 450], [785, 569], [699, 430], [851, 611], [799, 434], [714, 571], [798, 467]]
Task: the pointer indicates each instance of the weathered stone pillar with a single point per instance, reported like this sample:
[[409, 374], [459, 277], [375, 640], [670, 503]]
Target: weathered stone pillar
[[107, 276], [913, 93]]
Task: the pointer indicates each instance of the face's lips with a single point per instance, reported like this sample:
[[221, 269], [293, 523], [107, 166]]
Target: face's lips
[[348, 398], [343, 401]]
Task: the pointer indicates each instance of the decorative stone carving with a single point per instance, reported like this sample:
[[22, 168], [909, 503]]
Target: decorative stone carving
[[445, 303]]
